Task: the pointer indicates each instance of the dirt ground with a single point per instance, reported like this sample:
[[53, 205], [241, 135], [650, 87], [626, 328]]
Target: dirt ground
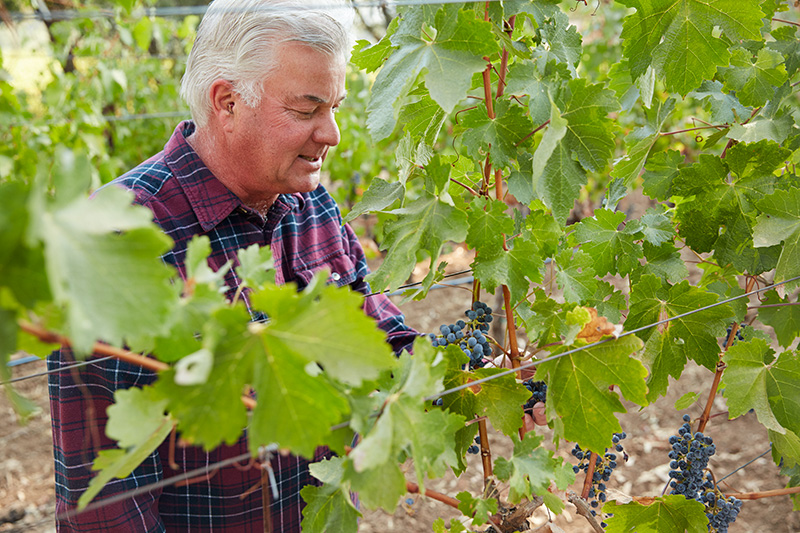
[[26, 470]]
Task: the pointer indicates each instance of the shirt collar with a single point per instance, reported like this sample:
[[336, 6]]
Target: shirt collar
[[211, 201]]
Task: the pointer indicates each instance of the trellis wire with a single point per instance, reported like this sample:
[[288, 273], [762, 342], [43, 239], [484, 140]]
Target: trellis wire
[[200, 471], [748, 463], [199, 10]]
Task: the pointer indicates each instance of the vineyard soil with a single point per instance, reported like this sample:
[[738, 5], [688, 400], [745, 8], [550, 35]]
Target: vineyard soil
[[26, 469]]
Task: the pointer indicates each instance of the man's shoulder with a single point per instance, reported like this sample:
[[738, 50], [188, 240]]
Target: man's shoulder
[[146, 180]]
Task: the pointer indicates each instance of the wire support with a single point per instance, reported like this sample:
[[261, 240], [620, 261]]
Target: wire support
[[748, 463], [153, 486], [401, 288], [199, 10], [103, 118], [56, 370]]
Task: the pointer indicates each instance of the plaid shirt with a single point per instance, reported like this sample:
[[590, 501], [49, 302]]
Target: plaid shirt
[[305, 234]]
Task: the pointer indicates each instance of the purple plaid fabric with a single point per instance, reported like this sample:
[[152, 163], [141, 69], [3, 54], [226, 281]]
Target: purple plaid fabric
[[305, 234]]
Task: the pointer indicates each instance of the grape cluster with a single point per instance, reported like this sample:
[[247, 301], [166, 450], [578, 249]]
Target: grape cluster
[[739, 335], [538, 392], [470, 335], [604, 465], [689, 458], [720, 510], [475, 448]]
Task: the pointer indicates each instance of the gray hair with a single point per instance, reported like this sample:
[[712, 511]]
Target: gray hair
[[237, 40]]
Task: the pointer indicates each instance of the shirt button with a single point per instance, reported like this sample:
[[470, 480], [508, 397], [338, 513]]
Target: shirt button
[[335, 276]]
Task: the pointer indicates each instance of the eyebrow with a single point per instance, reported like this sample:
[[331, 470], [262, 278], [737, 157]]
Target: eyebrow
[[318, 100]]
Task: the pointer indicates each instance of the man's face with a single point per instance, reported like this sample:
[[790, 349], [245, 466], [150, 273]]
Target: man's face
[[280, 144]]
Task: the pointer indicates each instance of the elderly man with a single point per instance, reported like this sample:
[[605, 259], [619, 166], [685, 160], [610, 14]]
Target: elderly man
[[263, 82]]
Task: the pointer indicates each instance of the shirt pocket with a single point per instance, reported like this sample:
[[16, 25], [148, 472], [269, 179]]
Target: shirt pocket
[[341, 269]]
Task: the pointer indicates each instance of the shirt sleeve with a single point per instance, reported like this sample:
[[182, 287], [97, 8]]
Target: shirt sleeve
[[389, 318], [78, 401]]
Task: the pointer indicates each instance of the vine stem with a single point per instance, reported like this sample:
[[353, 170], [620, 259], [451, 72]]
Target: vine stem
[[704, 418], [666, 133], [584, 511], [528, 136], [99, 348], [413, 488], [486, 452], [786, 21], [764, 494], [587, 481]]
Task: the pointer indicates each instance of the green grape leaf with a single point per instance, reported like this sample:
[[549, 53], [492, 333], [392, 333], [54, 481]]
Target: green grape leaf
[[455, 526], [664, 357], [512, 268], [448, 61], [559, 40], [784, 319], [379, 487], [531, 468], [328, 509], [663, 261], [212, 412], [746, 382], [295, 409], [423, 119], [676, 37], [550, 139], [783, 390], [136, 413], [496, 136], [575, 275], [785, 447], [763, 128], [612, 250], [722, 212], [23, 407], [640, 141], [754, 81], [725, 108], [379, 196], [256, 266], [695, 335], [501, 400], [324, 324], [91, 244], [370, 57], [476, 508], [578, 390], [590, 132], [118, 463], [787, 44], [779, 222], [661, 170], [488, 223], [424, 224], [561, 182], [657, 227], [686, 401], [546, 320], [667, 513]]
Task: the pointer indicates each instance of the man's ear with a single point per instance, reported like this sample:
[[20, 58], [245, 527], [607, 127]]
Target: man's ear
[[223, 103]]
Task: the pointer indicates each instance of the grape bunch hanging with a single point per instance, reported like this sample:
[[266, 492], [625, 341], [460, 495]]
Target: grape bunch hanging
[[470, 335], [689, 458], [604, 465]]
